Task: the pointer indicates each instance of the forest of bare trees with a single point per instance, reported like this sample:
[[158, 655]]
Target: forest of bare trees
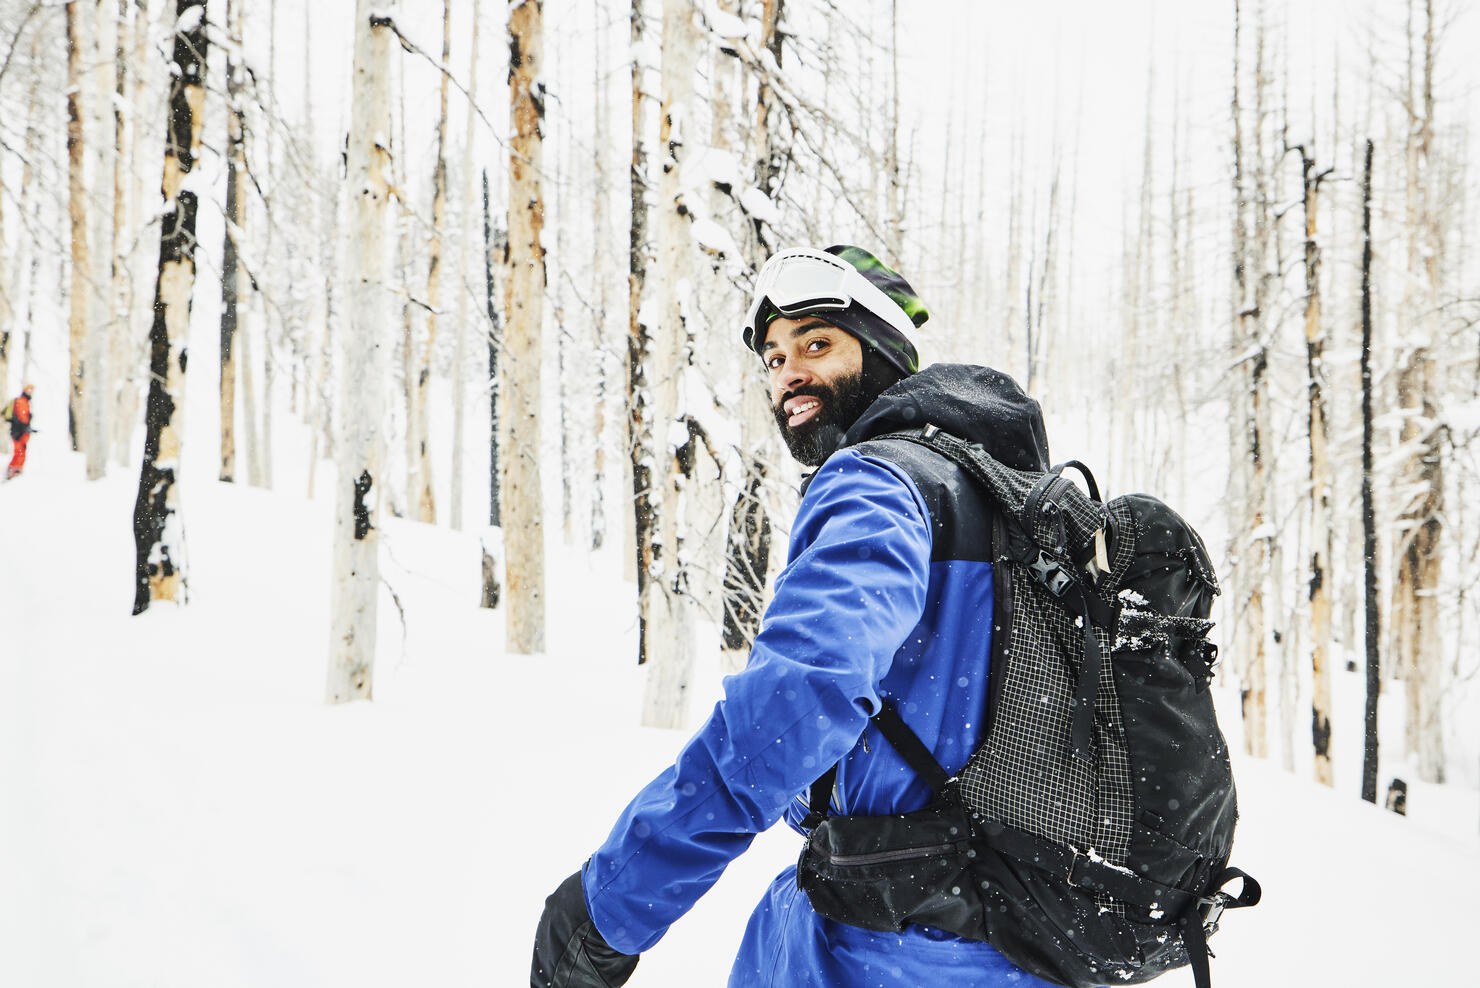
[[420, 249]]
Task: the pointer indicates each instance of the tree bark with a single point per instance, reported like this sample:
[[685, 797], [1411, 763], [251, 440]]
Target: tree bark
[[1372, 618], [524, 294], [159, 533], [1318, 577], [81, 290], [424, 498], [356, 583], [748, 552], [236, 199], [667, 602], [121, 351], [460, 347], [639, 424]]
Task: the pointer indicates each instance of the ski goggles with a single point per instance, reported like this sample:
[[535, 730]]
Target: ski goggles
[[799, 280]]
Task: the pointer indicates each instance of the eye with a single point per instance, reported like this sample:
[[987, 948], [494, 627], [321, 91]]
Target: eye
[[774, 361], [820, 343]]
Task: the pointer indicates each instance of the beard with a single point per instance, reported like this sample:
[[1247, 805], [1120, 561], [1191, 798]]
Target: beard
[[818, 438]]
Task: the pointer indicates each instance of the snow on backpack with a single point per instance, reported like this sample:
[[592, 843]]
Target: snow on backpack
[[1087, 838]]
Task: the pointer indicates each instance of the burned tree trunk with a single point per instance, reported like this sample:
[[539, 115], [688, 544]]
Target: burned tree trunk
[[159, 534], [1373, 665]]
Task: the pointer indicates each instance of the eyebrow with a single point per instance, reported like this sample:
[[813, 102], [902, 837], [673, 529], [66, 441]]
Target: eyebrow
[[805, 327]]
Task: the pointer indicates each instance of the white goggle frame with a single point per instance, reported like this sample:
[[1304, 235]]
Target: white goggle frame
[[799, 280]]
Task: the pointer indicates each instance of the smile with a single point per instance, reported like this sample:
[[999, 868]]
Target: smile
[[800, 410]]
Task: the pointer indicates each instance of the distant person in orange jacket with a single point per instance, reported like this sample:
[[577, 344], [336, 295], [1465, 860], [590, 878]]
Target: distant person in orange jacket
[[19, 413]]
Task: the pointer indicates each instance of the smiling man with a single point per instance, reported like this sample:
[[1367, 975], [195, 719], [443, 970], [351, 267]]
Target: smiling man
[[885, 608]]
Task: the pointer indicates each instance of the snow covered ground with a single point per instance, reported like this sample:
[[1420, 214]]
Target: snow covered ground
[[178, 808]]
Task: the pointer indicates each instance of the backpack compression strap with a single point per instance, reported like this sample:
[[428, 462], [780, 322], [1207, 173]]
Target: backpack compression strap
[[904, 741]]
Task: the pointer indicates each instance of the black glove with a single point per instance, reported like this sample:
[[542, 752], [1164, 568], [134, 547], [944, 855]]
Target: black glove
[[569, 952]]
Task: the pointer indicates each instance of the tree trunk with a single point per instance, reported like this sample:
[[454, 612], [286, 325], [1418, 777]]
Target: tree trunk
[[667, 603], [639, 424], [424, 497], [465, 238], [601, 252], [748, 553], [524, 295], [1416, 607], [159, 533], [1371, 623], [236, 199], [97, 398], [495, 339], [356, 585], [121, 351], [81, 289], [1318, 585]]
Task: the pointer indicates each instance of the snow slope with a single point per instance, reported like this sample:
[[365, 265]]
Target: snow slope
[[178, 808]]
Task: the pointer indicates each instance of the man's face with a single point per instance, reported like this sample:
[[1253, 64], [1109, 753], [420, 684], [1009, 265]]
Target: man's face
[[816, 372]]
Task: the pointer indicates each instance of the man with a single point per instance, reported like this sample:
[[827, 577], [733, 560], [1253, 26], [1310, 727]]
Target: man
[[20, 430], [887, 594]]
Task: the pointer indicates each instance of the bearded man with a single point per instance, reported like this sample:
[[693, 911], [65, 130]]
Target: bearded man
[[886, 603]]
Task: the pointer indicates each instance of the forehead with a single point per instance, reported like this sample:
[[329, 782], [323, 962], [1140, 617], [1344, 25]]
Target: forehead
[[782, 331]]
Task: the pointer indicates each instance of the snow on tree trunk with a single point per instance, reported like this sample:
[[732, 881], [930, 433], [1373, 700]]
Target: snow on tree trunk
[[1318, 586], [465, 239], [1421, 476], [601, 254], [524, 297], [495, 339], [356, 578], [77, 296], [121, 351], [667, 603], [639, 411], [97, 397], [424, 498], [235, 226], [159, 533], [748, 553]]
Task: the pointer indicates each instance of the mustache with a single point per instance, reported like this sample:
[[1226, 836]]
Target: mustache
[[806, 391]]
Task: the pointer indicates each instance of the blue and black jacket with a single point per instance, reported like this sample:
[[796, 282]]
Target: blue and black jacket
[[887, 594]]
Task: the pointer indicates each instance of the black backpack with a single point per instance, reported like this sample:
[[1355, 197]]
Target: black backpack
[[1087, 837]]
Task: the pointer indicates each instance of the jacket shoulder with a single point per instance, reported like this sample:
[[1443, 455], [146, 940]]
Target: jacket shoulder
[[960, 515]]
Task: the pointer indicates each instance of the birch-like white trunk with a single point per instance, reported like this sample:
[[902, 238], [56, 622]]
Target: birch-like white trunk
[[524, 303], [98, 397], [667, 603], [356, 576], [471, 276], [78, 294]]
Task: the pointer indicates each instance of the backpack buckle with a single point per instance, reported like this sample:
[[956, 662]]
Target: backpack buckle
[[1048, 572], [1210, 908]]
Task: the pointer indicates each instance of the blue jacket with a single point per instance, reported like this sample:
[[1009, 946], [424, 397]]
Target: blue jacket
[[887, 593]]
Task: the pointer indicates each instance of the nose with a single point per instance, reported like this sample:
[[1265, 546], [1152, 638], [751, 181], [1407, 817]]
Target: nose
[[790, 377]]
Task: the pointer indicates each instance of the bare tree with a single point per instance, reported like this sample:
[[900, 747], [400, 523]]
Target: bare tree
[[236, 223], [356, 583], [423, 498], [524, 294], [1318, 586], [639, 411], [159, 533], [1371, 623], [77, 297], [460, 347]]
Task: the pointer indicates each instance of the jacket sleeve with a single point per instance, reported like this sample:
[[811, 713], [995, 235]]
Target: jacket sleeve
[[853, 588]]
